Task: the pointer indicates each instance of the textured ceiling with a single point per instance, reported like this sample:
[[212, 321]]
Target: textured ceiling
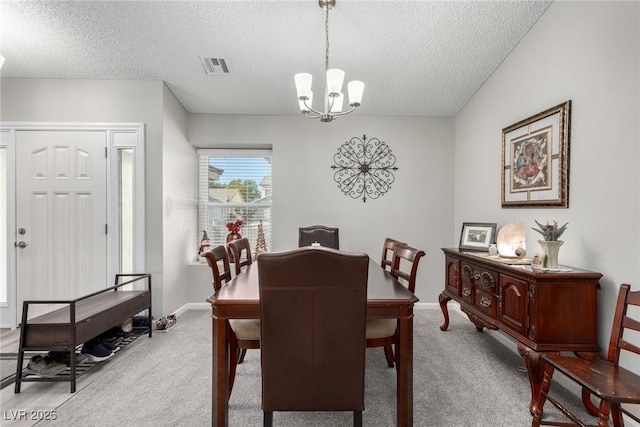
[[415, 57]]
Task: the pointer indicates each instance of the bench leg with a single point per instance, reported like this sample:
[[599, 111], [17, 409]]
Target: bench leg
[[19, 371]]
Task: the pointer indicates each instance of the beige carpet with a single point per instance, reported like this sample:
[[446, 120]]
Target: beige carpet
[[461, 378]]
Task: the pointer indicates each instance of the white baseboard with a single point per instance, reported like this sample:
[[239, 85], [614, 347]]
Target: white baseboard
[[192, 306]]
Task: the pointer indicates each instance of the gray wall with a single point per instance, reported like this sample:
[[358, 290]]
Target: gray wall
[[588, 52], [418, 209]]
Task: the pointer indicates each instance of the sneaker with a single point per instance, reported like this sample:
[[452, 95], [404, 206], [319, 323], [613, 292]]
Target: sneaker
[[44, 366], [96, 351], [166, 322], [65, 357], [171, 320], [161, 324], [140, 321], [109, 346], [114, 340]]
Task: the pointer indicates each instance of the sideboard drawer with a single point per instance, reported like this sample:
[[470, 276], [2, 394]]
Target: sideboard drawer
[[468, 292], [487, 302]]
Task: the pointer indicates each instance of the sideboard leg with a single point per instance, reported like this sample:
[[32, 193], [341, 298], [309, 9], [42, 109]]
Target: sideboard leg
[[535, 369], [443, 299]]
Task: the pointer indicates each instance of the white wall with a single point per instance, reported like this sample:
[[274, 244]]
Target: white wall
[[418, 209], [179, 187], [588, 52]]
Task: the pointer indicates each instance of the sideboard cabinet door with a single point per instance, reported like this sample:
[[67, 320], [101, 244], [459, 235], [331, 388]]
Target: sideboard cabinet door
[[512, 309], [453, 275]]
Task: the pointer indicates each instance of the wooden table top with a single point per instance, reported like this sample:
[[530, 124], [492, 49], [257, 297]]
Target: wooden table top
[[382, 289]]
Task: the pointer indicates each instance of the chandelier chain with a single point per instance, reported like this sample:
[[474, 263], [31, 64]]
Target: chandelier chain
[[326, 32]]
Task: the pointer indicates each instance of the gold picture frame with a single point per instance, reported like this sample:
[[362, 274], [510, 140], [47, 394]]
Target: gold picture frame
[[535, 159]]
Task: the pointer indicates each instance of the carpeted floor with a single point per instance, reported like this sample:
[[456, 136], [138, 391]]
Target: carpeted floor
[[461, 378]]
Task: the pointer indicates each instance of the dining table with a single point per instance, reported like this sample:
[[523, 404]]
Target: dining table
[[239, 299]]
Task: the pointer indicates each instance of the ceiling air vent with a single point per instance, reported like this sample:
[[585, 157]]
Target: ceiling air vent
[[214, 65]]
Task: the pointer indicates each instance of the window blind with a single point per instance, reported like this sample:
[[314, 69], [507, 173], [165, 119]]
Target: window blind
[[235, 185]]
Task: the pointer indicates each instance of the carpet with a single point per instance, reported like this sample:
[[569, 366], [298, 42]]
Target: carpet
[[461, 378]]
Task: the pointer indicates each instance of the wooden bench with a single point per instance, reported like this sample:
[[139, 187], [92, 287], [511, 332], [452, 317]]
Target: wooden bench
[[82, 319]]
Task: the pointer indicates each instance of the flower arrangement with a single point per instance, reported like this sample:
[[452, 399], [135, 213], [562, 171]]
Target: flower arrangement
[[234, 227], [550, 232]]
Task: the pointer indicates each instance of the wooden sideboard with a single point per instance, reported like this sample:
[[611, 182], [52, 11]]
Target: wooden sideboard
[[541, 311]]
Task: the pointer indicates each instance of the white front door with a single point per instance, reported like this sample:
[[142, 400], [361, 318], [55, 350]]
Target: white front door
[[61, 214]]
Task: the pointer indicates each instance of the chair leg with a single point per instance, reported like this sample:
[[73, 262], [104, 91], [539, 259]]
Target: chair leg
[[603, 417], [388, 352], [243, 352], [233, 360], [542, 397], [616, 415], [357, 418], [267, 419]]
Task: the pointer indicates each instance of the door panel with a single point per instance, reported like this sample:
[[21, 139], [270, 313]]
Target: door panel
[[61, 204]]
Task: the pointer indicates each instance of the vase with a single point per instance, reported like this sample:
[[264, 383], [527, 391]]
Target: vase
[[230, 238], [550, 248]]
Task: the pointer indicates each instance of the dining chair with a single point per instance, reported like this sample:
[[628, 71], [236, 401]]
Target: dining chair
[[604, 378], [245, 333], [214, 256], [326, 236], [240, 253], [404, 267], [386, 261], [312, 311]]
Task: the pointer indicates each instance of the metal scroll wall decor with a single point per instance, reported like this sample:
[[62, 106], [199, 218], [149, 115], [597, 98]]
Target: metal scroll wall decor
[[364, 168]]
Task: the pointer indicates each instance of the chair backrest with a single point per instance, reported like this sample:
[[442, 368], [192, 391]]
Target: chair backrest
[[387, 253], [405, 265], [312, 317], [622, 320], [213, 256], [240, 252], [326, 236]]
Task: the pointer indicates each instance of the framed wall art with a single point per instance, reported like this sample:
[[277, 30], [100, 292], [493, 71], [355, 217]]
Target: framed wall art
[[535, 159], [476, 236]]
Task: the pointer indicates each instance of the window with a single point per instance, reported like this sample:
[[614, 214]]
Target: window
[[234, 185]]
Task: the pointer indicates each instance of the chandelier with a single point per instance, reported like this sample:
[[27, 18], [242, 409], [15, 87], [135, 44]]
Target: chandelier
[[333, 98]]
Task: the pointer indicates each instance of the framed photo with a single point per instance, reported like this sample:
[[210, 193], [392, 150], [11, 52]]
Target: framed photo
[[535, 159], [477, 236]]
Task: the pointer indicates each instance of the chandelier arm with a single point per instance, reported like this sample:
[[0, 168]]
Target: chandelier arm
[[310, 108], [343, 112]]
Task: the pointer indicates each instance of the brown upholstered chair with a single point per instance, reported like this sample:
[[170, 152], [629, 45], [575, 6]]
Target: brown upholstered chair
[[245, 332], [386, 261], [312, 311], [327, 236], [606, 379], [240, 253], [404, 267]]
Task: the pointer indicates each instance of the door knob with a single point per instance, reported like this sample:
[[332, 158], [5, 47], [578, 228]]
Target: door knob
[[20, 245]]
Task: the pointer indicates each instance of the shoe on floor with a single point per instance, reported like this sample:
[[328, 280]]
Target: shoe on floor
[[96, 351], [44, 366], [108, 345], [65, 357], [166, 322]]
